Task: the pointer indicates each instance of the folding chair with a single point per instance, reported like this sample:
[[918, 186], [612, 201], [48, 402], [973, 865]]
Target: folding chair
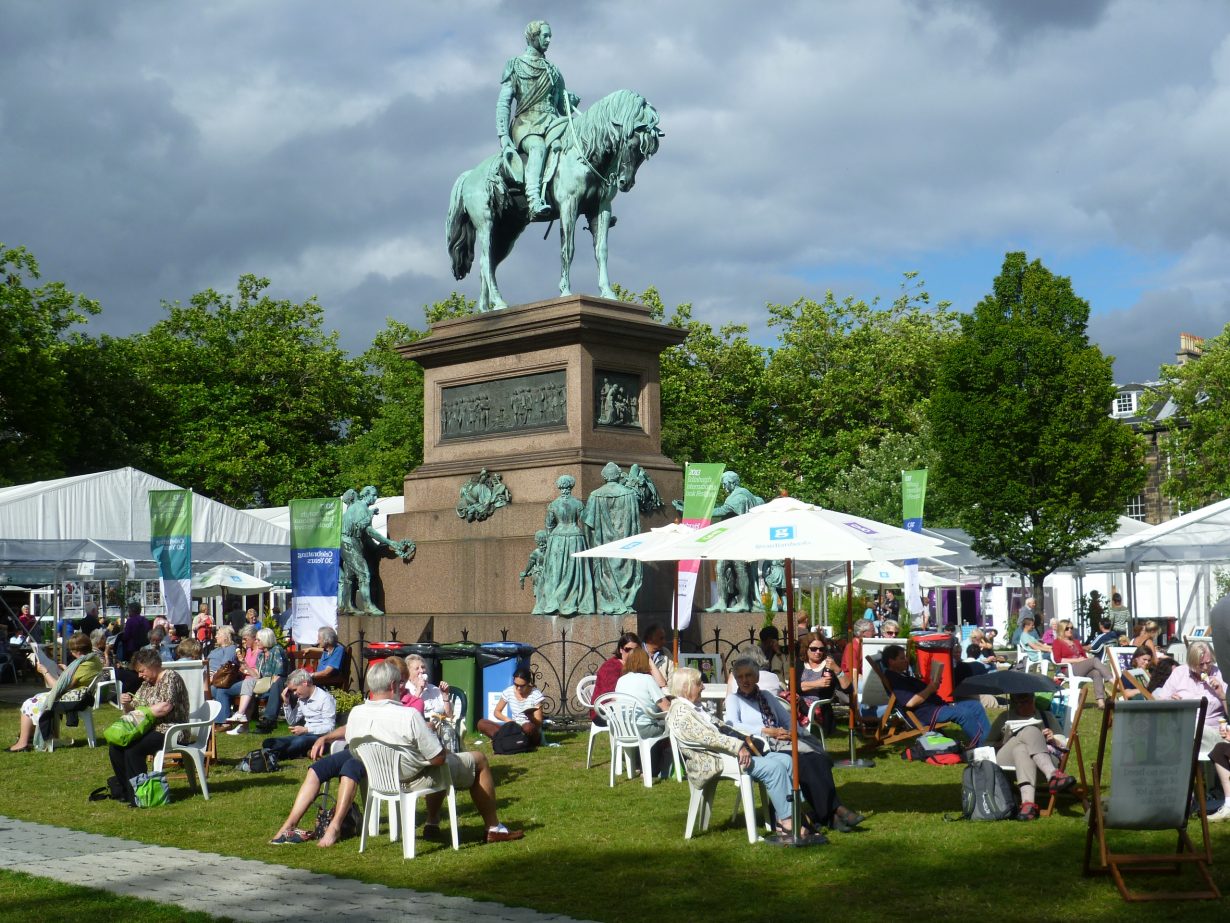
[[1119, 659], [1138, 681], [1071, 728], [898, 723], [1154, 773]]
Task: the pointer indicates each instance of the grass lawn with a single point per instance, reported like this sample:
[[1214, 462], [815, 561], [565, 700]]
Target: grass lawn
[[619, 854], [30, 898]]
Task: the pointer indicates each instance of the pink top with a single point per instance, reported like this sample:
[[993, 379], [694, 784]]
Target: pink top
[[1184, 684]]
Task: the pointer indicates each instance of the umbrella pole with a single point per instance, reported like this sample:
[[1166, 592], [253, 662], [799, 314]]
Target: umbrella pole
[[796, 837], [675, 615], [856, 652]]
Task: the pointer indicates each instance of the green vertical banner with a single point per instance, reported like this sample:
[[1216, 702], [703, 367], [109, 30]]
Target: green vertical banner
[[701, 483], [170, 543], [913, 498], [315, 563]]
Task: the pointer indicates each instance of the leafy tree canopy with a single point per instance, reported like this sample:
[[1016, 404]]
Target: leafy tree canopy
[[35, 424], [1200, 429], [1021, 419]]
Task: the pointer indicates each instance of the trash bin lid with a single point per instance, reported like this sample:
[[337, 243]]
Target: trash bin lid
[[458, 650]]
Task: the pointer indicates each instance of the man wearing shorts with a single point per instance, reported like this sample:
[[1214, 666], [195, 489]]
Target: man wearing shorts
[[383, 718]]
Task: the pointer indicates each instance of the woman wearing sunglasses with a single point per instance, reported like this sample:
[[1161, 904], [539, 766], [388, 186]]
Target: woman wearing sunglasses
[[520, 703], [817, 673]]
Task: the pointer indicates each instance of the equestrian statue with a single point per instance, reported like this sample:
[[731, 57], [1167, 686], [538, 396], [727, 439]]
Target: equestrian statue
[[555, 161]]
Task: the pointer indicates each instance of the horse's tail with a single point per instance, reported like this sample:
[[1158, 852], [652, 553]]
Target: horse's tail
[[459, 231]]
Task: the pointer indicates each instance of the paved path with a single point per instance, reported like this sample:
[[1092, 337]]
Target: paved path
[[190, 879]]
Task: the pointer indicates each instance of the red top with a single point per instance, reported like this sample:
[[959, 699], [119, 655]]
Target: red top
[[607, 676], [1063, 650]]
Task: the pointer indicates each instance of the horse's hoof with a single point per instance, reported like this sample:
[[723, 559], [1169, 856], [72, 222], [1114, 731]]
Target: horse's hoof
[[608, 293]]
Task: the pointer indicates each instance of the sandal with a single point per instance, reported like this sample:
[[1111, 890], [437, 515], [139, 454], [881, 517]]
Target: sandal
[[294, 838], [1060, 782], [1029, 811]]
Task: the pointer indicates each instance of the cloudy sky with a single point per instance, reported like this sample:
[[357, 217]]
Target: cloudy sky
[[151, 150]]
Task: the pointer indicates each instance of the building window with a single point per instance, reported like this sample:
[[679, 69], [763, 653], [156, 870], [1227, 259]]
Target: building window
[[1136, 508], [1125, 404]]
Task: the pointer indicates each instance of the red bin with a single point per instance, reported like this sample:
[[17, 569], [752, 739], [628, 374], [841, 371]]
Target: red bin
[[932, 649]]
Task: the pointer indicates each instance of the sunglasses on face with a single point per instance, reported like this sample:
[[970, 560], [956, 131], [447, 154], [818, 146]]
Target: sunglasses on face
[[522, 686], [628, 649], [815, 648]]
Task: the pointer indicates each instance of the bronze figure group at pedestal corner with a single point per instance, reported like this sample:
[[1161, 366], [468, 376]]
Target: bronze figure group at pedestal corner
[[566, 585]]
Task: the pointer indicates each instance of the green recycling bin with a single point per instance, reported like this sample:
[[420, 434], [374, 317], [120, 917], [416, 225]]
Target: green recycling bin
[[459, 668]]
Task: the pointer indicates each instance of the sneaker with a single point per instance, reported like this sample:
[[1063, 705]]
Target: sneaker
[[1222, 813], [238, 729], [1029, 811]]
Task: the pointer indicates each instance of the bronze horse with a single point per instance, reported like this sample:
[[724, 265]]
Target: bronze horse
[[602, 150]]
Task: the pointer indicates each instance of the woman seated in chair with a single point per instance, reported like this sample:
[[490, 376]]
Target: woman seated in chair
[[702, 739], [1025, 737], [432, 700], [521, 704], [272, 665], [1199, 678], [751, 710], [817, 677], [637, 682], [166, 696], [1219, 756], [1068, 651], [1147, 637], [1142, 659], [224, 681], [72, 683], [1030, 642]]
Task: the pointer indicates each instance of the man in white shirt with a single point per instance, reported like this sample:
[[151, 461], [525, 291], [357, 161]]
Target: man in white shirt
[[311, 712]]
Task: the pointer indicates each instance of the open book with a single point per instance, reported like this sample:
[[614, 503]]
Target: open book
[[1015, 724]]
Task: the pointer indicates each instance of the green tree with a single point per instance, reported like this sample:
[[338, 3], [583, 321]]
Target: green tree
[[846, 375], [255, 399], [1021, 413], [392, 444], [872, 486], [1199, 443], [35, 422]]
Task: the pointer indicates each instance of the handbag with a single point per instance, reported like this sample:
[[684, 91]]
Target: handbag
[[131, 727], [263, 685], [226, 675]]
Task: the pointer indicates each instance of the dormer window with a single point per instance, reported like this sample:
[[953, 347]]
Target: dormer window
[[1124, 405]]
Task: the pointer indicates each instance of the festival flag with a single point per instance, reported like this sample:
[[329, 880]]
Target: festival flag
[[170, 544], [913, 496], [315, 559], [701, 483]]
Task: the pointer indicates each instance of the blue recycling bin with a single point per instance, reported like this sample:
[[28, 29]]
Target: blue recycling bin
[[497, 660]]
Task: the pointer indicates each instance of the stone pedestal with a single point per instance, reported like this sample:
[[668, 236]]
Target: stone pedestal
[[531, 393]]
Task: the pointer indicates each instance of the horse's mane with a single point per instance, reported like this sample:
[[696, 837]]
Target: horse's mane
[[610, 120]]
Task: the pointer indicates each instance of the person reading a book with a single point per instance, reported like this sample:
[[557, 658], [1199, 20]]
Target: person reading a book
[[1024, 739], [76, 678]]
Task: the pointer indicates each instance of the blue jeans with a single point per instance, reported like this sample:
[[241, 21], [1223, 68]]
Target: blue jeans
[[773, 771], [274, 701], [967, 713], [227, 698], [292, 747]]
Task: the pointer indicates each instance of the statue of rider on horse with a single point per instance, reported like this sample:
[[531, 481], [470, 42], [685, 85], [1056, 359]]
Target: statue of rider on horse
[[574, 164]]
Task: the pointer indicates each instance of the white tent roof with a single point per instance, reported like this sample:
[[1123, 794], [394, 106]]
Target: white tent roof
[[114, 505], [280, 515], [1202, 535]]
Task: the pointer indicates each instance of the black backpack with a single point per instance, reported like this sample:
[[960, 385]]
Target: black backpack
[[986, 793], [510, 738], [263, 760]]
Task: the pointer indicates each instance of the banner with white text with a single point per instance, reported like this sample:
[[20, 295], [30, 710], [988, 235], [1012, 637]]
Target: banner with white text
[[170, 544], [315, 564], [913, 497], [701, 483]]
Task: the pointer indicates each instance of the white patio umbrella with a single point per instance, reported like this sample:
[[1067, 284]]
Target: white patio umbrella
[[789, 529], [886, 573], [223, 578]]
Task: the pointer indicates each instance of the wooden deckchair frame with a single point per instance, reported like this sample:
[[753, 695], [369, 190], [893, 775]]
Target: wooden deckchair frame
[[1117, 863], [909, 725], [1081, 789]]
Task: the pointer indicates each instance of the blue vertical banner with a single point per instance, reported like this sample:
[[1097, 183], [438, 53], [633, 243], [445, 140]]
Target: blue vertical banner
[[315, 565], [170, 544], [913, 498]]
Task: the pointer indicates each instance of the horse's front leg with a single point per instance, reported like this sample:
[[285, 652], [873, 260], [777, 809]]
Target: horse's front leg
[[489, 294], [567, 242], [600, 224]]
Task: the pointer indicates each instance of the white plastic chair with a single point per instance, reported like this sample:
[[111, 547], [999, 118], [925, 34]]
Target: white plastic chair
[[700, 804], [384, 786], [585, 695], [620, 712], [86, 715], [459, 707], [190, 740], [108, 680], [1041, 665]]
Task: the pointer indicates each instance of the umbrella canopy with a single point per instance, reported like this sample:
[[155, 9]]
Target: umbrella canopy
[[789, 528], [1005, 682], [636, 547], [886, 573], [223, 578]]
